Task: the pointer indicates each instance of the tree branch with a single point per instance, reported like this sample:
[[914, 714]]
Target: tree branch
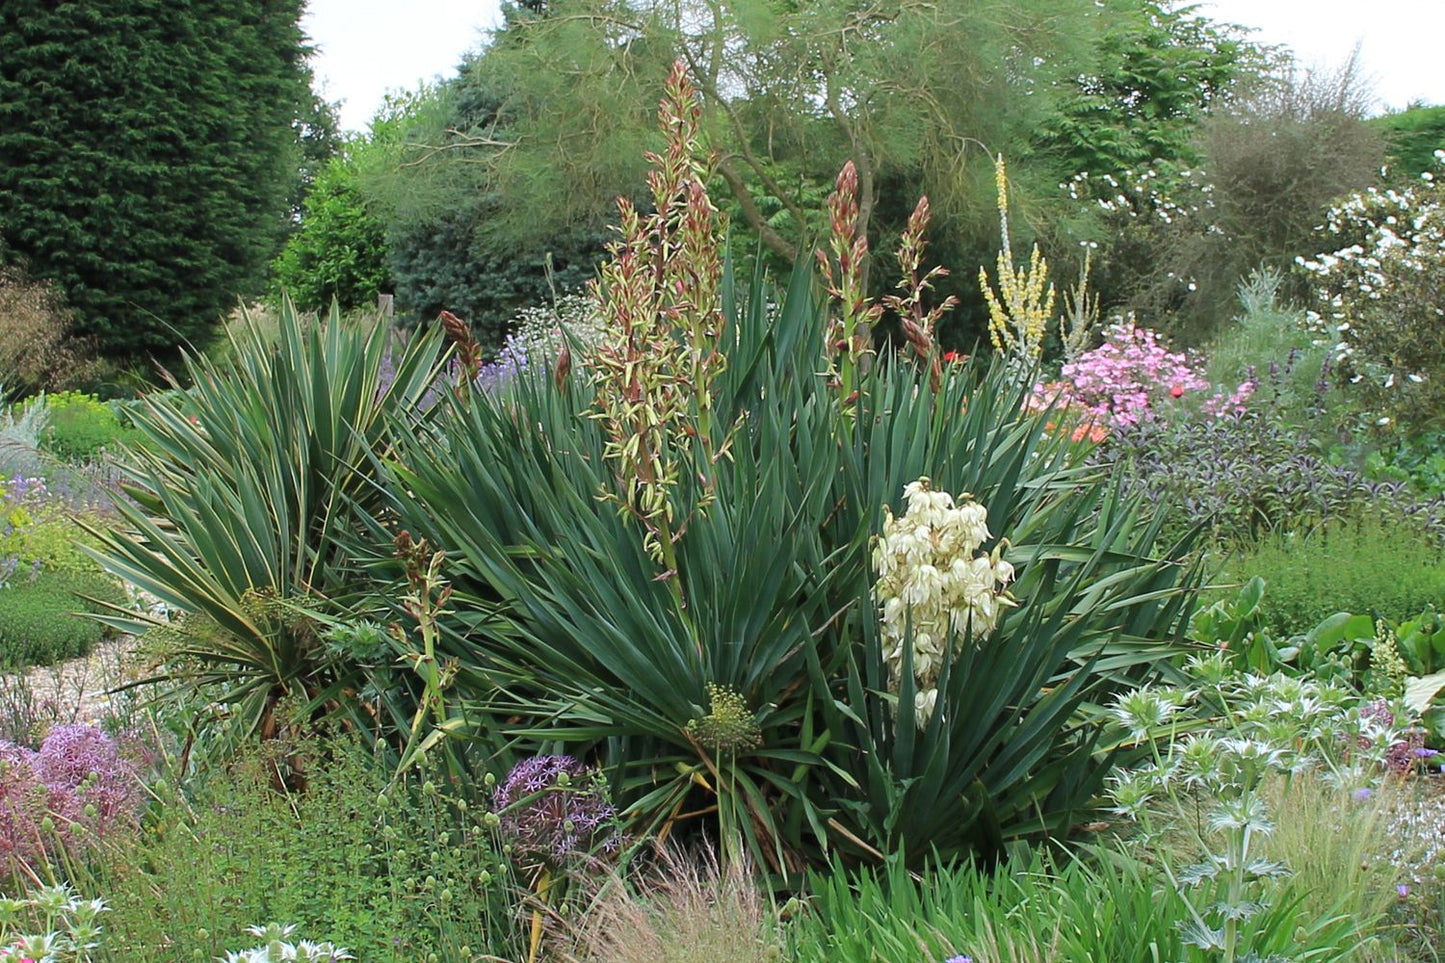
[[775, 241], [708, 87], [432, 150]]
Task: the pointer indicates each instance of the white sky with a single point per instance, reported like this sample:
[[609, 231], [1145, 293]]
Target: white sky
[[367, 47], [1400, 40], [370, 46]]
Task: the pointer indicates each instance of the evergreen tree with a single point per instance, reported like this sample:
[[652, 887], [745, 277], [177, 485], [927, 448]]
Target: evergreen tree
[[148, 149], [1413, 135], [442, 243], [339, 250]]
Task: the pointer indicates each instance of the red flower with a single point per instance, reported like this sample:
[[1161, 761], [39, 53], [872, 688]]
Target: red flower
[[954, 356], [1176, 392]]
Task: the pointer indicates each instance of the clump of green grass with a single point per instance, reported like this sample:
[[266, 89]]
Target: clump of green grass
[[42, 615], [1364, 564]]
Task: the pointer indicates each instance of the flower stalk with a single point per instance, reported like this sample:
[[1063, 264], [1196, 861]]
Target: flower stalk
[[849, 333], [1019, 313], [661, 352]]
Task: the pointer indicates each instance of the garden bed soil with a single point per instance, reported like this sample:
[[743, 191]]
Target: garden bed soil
[[79, 690]]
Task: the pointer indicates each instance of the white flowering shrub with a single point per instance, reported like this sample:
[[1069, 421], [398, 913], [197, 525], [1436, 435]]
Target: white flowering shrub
[[1158, 227], [537, 338], [934, 584], [1379, 298]]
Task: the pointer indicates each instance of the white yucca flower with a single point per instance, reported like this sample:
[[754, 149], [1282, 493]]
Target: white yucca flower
[[934, 583]]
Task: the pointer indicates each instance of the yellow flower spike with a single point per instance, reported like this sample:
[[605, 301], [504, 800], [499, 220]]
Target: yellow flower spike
[[1019, 313]]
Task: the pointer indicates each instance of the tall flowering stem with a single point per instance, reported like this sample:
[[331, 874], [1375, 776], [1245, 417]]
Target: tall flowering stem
[[425, 601], [850, 332], [661, 351], [469, 352], [1018, 315], [918, 324]]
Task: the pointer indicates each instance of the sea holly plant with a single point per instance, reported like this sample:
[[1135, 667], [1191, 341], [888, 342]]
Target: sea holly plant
[[277, 946], [49, 925], [1226, 736]]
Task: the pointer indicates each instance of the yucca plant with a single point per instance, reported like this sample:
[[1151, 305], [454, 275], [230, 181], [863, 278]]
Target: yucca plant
[[764, 693], [681, 589], [740, 681], [242, 491]]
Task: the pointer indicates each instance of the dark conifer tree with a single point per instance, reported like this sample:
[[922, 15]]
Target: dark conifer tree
[[148, 150]]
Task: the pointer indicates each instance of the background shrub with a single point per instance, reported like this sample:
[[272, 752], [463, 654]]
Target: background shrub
[[79, 426], [41, 620], [1241, 475], [1413, 135], [52, 542], [1277, 156], [1361, 564], [1267, 340], [1177, 237], [176, 226], [390, 871], [1378, 291], [36, 352], [1417, 461], [1245, 476], [339, 251]]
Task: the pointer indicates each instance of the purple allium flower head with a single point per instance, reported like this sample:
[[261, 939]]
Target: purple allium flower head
[[1362, 794], [87, 769], [78, 778], [553, 808]]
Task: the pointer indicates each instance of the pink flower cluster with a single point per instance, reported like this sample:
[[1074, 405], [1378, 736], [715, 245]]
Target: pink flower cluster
[[78, 786], [1126, 379]]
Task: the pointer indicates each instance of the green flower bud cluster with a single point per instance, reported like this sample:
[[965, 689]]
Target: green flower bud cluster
[[730, 726], [1389, 670]]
